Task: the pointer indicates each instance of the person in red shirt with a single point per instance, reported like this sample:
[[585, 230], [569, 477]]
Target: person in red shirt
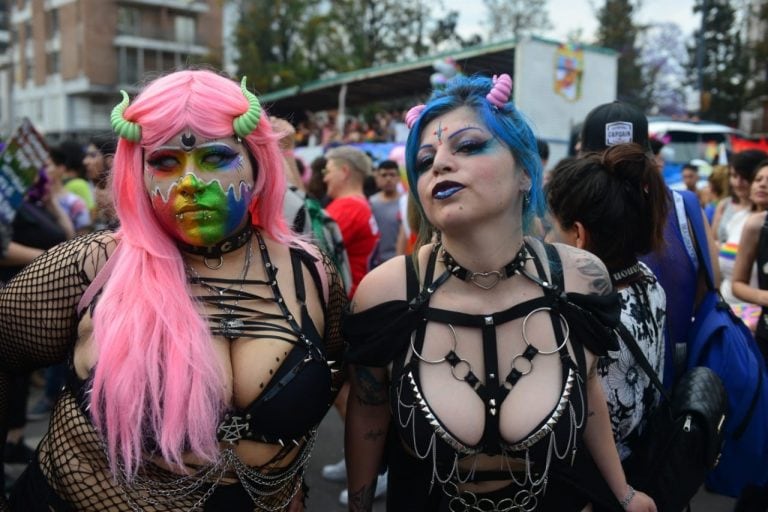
[[345, 172], [344, 175]]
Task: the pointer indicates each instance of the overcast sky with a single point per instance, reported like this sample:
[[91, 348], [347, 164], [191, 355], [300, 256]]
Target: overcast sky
[[570, 15]]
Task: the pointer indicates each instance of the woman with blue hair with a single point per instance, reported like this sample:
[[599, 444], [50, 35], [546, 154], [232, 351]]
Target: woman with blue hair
[[473, 361]]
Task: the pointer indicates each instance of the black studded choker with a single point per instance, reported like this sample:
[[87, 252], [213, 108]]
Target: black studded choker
[[229, 244], [489, 279]]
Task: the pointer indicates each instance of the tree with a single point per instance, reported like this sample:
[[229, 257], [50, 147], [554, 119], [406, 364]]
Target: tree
[[617, 30], [664, 59], [759, 51], [278, 42], [373, 32], [288, 42], [445, 37], [516, 18], [719, 61]]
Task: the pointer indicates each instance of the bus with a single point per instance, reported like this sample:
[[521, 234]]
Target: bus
[[702, 143]]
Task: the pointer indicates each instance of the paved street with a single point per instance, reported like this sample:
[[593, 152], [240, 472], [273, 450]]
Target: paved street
[[328, 449]]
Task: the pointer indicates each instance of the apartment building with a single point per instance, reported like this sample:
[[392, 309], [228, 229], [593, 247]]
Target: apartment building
[[66, 60]]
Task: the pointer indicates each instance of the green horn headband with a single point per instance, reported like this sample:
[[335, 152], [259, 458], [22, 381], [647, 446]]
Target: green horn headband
[[244, 124], [123, 128]]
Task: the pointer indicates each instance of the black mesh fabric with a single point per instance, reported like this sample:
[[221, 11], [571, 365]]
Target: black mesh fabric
[[39, 327]]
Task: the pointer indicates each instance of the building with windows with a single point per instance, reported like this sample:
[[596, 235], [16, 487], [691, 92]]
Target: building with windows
[[66, 60]]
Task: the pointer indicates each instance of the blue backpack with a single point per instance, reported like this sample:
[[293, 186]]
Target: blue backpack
[[718, 339]]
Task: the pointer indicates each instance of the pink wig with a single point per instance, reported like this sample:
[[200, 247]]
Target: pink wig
[[157, 375]]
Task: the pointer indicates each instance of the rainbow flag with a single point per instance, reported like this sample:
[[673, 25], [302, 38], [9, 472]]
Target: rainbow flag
[[750, 313], [728, 251]]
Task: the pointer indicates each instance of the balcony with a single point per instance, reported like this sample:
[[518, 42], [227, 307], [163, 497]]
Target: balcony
[[160, 40], [196, 6]]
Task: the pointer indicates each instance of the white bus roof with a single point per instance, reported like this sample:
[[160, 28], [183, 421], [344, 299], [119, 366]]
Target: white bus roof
[[662, 127]]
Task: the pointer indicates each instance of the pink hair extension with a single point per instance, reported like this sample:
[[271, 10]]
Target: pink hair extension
[[157, 375], [413, 114], [502, 87]]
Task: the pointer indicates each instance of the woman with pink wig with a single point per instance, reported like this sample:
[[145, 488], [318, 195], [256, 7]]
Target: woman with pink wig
[[202, 337]]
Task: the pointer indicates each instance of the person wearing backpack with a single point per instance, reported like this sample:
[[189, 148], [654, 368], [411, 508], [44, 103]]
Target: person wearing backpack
[[614, 205], [676, 265], [345, 172]]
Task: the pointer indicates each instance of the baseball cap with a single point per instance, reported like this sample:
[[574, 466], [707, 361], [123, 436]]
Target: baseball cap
[[614, 123]]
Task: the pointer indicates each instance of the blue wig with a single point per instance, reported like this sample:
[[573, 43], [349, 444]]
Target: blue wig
[[506, 124]]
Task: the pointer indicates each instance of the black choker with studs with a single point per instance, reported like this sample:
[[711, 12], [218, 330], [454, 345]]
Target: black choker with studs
[[489, 279], [229, 244]]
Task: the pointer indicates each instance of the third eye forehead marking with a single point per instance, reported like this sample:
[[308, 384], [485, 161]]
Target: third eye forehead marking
[[439, 133], [188, 141]]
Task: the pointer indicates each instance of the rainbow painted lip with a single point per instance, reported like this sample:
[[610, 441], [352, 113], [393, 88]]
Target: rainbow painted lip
[[194, 208]]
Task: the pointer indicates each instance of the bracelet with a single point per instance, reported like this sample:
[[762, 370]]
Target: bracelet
[[628, 498]]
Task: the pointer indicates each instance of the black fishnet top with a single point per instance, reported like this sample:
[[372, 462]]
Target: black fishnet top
[[39, 327]]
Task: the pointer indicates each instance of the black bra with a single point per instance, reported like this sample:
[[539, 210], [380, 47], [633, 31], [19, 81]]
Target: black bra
[[304, 377]]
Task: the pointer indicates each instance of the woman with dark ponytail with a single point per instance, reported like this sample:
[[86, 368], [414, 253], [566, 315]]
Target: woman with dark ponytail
[[613, 204]]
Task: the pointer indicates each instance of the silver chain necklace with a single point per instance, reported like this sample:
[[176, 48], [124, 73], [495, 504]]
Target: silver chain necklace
[[230, 324]]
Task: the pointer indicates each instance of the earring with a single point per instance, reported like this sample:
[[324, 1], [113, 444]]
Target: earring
[[526, 199]]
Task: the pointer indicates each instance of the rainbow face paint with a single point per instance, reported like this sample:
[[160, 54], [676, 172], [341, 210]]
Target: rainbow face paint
[[200, 194]]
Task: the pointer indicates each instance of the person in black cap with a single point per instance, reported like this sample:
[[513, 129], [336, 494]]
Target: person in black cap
[[614, 123], [674, 266]]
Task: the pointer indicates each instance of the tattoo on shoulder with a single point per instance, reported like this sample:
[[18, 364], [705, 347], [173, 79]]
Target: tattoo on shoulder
[[370, 390], [599, 282], [362, 499]]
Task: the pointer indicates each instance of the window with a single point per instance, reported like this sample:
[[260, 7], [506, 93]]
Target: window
[[128, 21], [184, 29], [128, 61], [52, 63], [53, 23], [152, 61], [169, 61], [29, 70]]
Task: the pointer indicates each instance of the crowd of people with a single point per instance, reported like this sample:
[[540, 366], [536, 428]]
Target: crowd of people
[[200, 307], [382, 126]]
